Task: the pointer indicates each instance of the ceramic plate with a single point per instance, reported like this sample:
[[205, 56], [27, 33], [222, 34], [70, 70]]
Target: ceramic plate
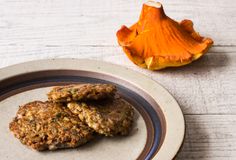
[[159, 127]]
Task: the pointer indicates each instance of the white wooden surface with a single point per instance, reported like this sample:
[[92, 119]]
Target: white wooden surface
[[206, 89]]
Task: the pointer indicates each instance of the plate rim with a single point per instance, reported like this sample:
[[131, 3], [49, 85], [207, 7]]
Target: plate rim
[[174, 133]]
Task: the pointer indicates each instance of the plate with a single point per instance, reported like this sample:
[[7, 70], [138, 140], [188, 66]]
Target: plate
[[159, 126]]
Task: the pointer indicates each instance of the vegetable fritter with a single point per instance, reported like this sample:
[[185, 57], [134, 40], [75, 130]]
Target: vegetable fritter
[[81, 92], [49, 126], [109, 117]]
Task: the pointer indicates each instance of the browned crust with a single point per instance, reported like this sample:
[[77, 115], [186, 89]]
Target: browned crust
[[81, 92], [46, 125], [108, 117]]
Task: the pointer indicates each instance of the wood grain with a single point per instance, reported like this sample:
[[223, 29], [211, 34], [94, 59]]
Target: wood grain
[[209, 137], [60, 22], [205, 90]]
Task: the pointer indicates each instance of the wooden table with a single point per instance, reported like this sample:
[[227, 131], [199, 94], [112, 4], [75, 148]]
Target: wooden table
[[205, 90]]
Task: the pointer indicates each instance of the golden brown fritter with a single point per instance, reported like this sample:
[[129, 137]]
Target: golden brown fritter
[[49, 126], [81, 92], [108, 117]]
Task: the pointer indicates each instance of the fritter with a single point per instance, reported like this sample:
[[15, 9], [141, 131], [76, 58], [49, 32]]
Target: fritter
[[81, 92], [108, 117], [49, 126]]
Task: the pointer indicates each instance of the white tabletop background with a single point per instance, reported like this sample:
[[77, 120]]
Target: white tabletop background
[[205, 89]]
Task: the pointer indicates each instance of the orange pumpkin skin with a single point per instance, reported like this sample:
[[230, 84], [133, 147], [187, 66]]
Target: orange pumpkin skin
[[157, 41]]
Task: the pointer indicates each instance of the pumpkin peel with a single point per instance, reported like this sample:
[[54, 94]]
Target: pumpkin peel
[[157, 41]]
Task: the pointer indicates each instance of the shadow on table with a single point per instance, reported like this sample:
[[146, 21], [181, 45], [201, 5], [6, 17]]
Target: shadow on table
[[196, 143], [211, 61]]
